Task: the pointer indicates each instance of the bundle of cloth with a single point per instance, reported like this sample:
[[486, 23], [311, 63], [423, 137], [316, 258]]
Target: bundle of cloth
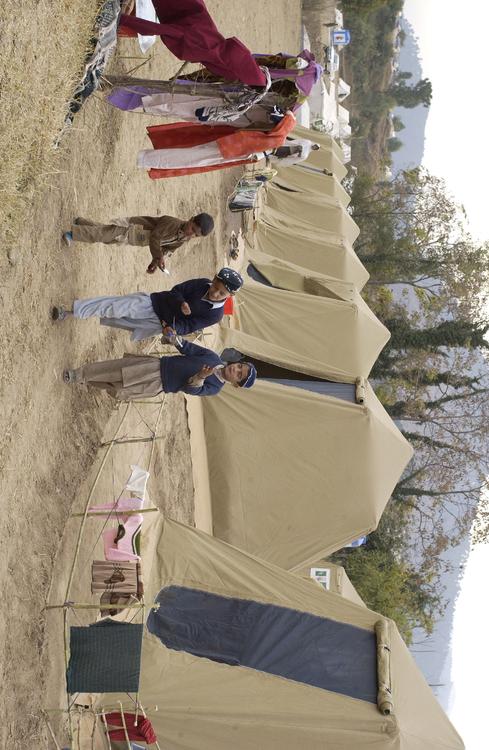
[[204, 97], [187, 148], [103, 44], [187, 29]]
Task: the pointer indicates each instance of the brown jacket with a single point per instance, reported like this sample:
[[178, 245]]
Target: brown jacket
[[165, 233]]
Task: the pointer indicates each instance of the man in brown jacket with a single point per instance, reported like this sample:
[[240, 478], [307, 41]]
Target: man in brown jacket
[[163, 234]]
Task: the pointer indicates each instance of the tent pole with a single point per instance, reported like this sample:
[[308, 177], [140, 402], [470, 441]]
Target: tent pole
[[92, 513], [155, 436], [73, 605], [107, 735], [123, 719], [50, 730], [123, 441]]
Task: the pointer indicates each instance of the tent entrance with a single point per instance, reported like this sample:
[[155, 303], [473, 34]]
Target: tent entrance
[[294, 379], [255, 274]]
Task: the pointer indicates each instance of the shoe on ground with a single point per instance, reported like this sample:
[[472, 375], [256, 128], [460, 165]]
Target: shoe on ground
[[67, 238], [59, 313], [69, 376]]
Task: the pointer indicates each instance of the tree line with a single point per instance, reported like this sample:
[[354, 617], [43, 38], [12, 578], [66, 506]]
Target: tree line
[[429, 285]]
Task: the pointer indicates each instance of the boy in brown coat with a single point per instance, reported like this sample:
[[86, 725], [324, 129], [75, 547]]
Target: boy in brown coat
[[163, 234]]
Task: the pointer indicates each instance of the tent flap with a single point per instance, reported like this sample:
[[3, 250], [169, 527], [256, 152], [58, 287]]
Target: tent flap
[[298, 646]]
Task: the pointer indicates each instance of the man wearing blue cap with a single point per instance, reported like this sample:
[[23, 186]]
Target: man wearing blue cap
[[188, 307], [199, 372]]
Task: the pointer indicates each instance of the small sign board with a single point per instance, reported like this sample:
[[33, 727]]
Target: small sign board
[[340, 37], [322, 576]]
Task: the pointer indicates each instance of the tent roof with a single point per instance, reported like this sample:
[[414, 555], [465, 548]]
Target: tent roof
[[344, 89], [305, 179], [203, 703], [323, 139], [343, 114], [329, 156], [298, 242], [321, 211]]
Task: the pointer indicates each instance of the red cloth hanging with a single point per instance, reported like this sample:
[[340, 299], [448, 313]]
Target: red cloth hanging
[[232, 142], [160, 174], [186, 134], [143, 732], [188, 31], [235, 144]]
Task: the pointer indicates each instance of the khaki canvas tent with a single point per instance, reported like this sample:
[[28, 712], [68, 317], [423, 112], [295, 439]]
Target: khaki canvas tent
[[297, 466], [304, 179], [323, 317], [329, 156], [301, 243], [321, 211], [243, 655], [326, 141]]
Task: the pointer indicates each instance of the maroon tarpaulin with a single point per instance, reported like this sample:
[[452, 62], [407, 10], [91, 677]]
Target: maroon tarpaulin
[[188, 31]]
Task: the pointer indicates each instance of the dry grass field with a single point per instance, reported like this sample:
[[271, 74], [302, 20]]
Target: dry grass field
[[50, 434]]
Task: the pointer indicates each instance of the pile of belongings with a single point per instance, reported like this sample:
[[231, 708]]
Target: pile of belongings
[[102, 45], [245, 193]]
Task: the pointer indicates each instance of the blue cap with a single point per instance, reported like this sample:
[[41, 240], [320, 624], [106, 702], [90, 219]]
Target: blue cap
[[232, 280], [250, 380]]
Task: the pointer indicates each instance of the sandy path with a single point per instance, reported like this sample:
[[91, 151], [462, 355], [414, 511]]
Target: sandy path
[[49, 433]]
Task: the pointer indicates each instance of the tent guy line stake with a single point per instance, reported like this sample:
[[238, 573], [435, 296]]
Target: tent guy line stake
[[123, 441]]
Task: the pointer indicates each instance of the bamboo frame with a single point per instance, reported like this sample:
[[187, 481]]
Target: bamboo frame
[[116, 510], [67, 605], [51, 732]]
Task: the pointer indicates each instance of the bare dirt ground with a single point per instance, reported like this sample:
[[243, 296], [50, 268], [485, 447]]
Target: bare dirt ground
[[50, 433]]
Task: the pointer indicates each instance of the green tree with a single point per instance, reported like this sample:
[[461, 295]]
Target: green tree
[[448, 333], [394, 144], [411, 96], [413, 233], [397, 124], [405, 590]]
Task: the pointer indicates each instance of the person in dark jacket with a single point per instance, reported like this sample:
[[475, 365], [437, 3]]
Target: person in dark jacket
[[199, 372], [188, 307]]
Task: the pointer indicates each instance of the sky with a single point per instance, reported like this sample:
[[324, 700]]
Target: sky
[[453, 39], [470, 653]]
